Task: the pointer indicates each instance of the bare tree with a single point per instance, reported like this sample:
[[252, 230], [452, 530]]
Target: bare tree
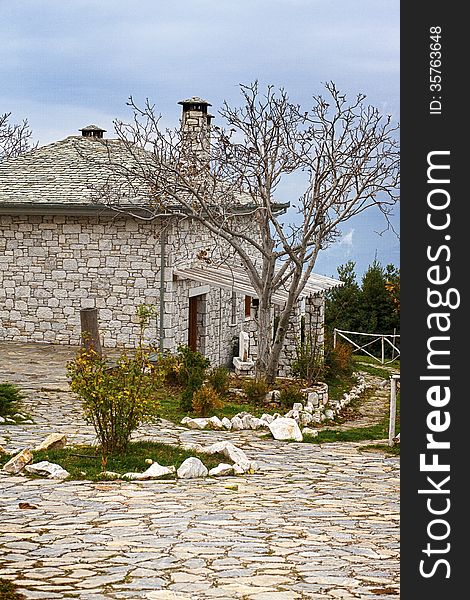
[[14, 139], [346, 151]]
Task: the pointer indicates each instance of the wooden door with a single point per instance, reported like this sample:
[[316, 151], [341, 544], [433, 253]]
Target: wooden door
[[192, 328]]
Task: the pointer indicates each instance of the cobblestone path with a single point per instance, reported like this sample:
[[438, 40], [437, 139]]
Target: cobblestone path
[[316, 522]]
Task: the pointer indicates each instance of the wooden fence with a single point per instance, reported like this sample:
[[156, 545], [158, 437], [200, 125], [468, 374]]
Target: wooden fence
[[376, 337], [394, 382]]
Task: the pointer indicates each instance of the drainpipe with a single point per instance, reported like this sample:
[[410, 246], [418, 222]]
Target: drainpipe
[[162, 285]]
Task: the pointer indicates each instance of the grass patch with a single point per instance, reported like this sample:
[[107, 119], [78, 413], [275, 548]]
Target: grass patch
[[390, 450], [371, 366], [378, 431], [85, 462], [171, 410], [355, 434], [8, 591], [10, 400], [337, 386]]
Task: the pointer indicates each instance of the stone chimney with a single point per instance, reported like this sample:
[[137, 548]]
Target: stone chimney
[[195, 127], [92, 131]]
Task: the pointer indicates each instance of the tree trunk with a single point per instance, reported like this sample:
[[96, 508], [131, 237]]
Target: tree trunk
[[276, 347], [89, 330], [264, 338]]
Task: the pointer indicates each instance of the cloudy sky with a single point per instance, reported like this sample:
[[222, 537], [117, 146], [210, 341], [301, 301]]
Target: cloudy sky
[[65, 65]]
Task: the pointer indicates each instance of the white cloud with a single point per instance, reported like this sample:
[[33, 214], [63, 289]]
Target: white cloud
[[347, 241]]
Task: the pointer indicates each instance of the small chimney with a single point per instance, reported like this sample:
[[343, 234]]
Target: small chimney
[[92, 131], [195, 126]]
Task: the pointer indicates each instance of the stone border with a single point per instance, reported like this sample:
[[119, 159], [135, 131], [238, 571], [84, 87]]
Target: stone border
[[316, 409]]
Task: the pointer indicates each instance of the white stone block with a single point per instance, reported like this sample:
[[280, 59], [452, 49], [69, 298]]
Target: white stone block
[[285, 429]]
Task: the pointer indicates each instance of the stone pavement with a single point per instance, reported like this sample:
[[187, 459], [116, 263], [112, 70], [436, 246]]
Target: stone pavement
[[318, 521]]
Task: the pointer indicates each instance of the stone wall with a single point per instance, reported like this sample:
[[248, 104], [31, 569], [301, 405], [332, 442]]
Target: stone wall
[[53, 266]]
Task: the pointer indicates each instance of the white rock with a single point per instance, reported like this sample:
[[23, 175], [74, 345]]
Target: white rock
[[52, 441], [2, 420], [237, 423], [111, 474], [246, 421], [242, 414], [50, 470], [192, 447], [18, 462], [215, 423], [308, 408], [305, 418], [19, 416], [132, 476], [267, 418], [313, 398], [221, 469], [297, 406], [292, 414], [317, 416], [184, 420], [197, 423], [285, 429], [276, 395], [254, 423], [215, 447], [191, 468], [155, 471], [233, 453], [309, 431], [227, 423], [329, 414], [237, 470]]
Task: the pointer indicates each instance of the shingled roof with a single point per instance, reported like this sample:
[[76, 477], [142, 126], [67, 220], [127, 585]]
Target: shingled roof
[[66, 176], [64, 172]]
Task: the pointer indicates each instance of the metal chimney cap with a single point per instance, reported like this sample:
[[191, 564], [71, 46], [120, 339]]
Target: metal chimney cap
[[195, 100]]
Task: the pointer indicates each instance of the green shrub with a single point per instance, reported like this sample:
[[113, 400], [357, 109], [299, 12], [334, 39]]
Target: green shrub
[[170, 366], [206, 400], [219, 379], [191, 375], [115, 400], [10, 397], [290, 395], [255, 390]]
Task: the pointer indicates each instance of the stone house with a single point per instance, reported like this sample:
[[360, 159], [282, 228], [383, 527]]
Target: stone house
[[61, 252]]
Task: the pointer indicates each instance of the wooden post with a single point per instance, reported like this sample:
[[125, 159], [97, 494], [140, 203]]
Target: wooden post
[[383, 349], [334, 338], [90, 335], [393, 408]]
